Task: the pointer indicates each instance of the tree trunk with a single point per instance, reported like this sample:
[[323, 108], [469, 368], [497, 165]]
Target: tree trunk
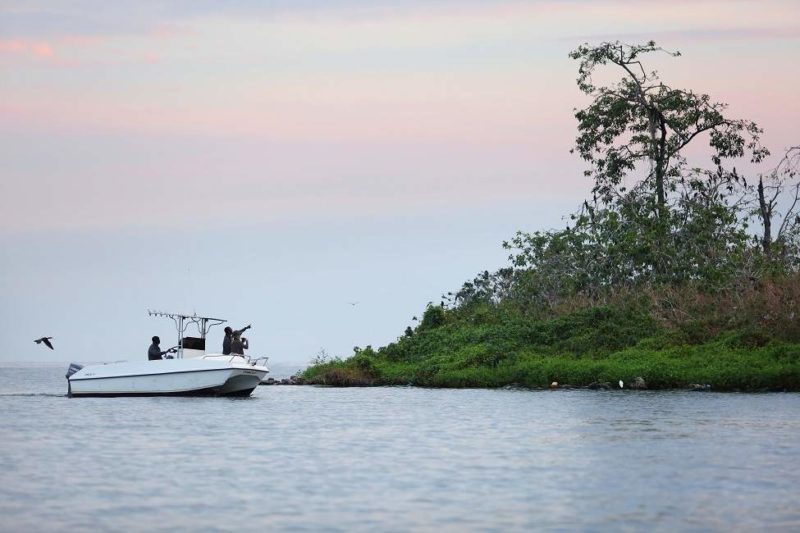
[[662, 215], [766, 218], [661, 166]]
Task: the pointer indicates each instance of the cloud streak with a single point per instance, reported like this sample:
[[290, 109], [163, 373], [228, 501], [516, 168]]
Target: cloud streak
[[696, 35], [27, 48], [48, 18]]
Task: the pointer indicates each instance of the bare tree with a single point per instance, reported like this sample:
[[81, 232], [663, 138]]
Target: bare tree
[[777, 187]]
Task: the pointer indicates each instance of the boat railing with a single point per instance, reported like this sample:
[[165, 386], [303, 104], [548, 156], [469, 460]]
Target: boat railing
[[252, 361], [255, 362]]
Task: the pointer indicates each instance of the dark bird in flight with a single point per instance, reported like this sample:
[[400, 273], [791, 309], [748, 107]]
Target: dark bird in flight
[[46, 341], [352, 303]]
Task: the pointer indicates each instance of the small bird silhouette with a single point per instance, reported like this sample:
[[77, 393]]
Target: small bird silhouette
[[353, 303], [46, 341]]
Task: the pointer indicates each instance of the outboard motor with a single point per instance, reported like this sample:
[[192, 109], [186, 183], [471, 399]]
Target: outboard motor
[[73, 367]]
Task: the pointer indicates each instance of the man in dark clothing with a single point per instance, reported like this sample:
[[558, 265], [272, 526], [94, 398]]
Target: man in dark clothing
[[226, 342], [154, 352]]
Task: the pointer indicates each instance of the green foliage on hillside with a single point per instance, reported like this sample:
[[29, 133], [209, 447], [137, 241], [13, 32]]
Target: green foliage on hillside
[[492, 347]]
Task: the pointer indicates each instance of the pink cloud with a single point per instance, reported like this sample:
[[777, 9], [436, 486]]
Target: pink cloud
[[22, 47], [70, 51], [12, 46], [702, 34], [43, 50]]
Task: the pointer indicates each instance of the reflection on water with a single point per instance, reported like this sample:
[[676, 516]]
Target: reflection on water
[[306, 458]]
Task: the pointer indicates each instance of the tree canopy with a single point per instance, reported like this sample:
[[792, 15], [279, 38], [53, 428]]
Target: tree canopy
[[641, 120]]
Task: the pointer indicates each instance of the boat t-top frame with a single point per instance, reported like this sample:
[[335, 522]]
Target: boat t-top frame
[[182, 323], [204, 325]]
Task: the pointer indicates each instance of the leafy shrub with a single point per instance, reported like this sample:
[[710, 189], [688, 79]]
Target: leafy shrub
[[432, 318]]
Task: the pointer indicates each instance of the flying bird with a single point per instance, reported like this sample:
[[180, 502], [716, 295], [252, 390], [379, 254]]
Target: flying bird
[[353, 303], [46, 341]]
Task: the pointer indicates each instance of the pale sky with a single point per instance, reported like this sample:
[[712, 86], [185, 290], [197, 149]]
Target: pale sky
[[269, 162]]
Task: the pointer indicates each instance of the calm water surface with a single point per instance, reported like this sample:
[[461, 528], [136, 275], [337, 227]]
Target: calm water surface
[[395, 459]]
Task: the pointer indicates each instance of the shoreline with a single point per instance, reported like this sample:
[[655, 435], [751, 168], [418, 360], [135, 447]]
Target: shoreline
[[714, 366], [699, 388]]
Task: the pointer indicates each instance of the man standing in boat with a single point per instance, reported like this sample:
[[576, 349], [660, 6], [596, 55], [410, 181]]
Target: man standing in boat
[[238, 344], [226, 342], [154, 352]]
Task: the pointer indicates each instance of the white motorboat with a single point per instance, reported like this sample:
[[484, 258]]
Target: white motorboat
[[192, 372]]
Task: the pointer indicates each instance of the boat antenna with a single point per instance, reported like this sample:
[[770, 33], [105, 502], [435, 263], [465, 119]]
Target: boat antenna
[[191, 288]]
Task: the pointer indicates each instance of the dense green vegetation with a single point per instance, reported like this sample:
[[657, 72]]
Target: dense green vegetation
[[673, 273], [487, 346]]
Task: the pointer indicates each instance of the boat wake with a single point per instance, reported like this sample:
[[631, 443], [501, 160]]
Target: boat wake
[[31, 394]]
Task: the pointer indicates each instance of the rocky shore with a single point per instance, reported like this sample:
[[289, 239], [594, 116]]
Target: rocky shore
[[291, 380]]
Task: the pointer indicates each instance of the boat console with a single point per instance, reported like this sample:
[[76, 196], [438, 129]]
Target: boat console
[[192, 347]]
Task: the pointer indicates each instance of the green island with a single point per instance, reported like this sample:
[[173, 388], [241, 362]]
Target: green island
[[679, 271]]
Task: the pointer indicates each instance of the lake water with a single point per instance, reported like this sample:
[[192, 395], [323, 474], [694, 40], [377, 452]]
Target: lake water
[[395, 459]]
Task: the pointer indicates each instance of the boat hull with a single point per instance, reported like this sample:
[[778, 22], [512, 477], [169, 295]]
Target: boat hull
[[177, 377]]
